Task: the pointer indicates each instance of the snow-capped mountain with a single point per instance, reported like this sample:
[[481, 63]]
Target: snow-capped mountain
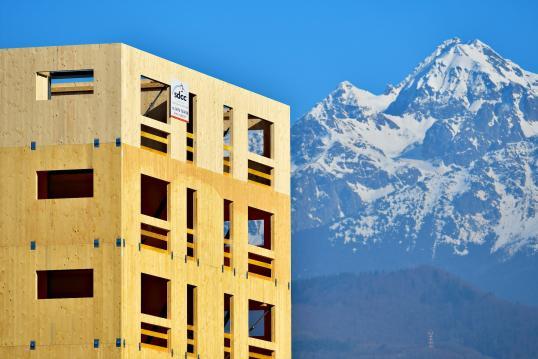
[[447, 159]]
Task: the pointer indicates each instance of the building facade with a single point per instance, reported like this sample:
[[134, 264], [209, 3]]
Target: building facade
[[129, 233]]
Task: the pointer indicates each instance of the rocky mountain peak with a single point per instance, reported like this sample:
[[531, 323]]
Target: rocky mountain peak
[[446, 160]]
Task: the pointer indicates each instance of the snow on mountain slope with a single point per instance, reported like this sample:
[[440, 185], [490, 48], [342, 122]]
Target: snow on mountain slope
[[449, 155]]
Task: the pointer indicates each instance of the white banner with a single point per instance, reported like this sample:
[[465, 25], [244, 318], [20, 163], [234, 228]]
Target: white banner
[[179, 104]]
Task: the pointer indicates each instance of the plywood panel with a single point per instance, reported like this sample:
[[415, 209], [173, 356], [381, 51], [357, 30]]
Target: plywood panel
[[64, 230]]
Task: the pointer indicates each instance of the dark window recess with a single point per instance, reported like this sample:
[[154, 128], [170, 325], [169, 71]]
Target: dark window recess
[[153, 139], [65, 184], [227, 139], [154, 197], [154, 295], [227, 313], [191, 222], [260, 173], [260, 320], [227, 233], [154, 335], [68, 283], [191, 125], [153, 236], [154, 98], [191, 318], [260, 265], [259, 228], [259, 353]]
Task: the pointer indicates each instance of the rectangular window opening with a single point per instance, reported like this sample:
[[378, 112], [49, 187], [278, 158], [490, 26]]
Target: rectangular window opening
[[191, 319], [227, 139], [259, 228], [227, 233], [51, 84], [260, 265], [154, 238], [191, 128], [228, 325], [191, 222], [154, 295], [259, 353], [65, 184], [260, 173], [154, 197], [260, 235], [65, 283], [154, 336], [154, 140], [260, 136], [260, 320], [154, 99]]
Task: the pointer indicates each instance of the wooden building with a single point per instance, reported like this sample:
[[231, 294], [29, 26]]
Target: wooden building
[[126, 233]]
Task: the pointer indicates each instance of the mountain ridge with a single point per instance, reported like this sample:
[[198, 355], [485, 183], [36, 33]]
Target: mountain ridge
[[387, 314]]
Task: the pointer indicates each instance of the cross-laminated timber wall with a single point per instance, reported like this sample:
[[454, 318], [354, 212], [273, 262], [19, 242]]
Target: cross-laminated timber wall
[[64, 230]]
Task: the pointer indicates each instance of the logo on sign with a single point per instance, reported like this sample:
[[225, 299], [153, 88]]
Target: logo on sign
[[179, 104], [179, 93]]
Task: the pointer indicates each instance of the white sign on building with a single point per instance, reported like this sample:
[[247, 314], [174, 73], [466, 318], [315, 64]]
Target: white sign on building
[[179, 104]]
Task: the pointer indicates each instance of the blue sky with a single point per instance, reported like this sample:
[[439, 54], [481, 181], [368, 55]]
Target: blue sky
[[295, 52]]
